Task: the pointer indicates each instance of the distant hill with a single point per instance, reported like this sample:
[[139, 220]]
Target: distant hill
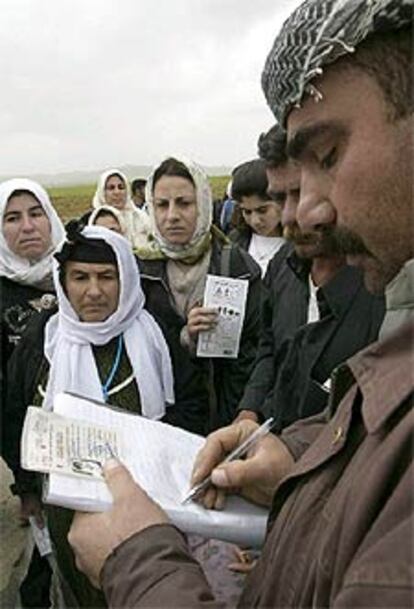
[[72, 178]]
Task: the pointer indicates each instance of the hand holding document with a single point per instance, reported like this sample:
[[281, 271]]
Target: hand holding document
[[72, 441], [228, 296]]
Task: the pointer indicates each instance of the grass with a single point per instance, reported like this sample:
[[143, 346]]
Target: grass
[[73, 201]]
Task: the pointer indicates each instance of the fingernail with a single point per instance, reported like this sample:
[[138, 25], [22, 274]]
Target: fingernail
[[110, 464], [219, 477]]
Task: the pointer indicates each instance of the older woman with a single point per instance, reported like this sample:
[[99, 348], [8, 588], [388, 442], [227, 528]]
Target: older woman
[[101, 344], [113, 189], [187, 248]]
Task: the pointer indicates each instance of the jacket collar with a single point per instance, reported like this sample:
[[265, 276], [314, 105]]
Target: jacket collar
[[242, 266], [384, 374], [338, 292], [300, 266]]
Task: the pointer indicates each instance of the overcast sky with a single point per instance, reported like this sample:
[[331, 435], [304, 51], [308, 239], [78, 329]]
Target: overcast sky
[[91, 84]]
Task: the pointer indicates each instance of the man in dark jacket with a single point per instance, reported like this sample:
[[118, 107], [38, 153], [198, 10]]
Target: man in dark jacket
[[341, 527], [316, 312]]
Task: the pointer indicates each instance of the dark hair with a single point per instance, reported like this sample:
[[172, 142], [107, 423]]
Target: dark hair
[[172, 167], [103, 213], [118, 175], [249, 179], [387, 57], [272, 146], [20, 192], [138, 184]]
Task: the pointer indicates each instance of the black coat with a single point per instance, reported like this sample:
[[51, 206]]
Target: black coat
[[207, 390], [19, 304], [296, 358], [24, 371]]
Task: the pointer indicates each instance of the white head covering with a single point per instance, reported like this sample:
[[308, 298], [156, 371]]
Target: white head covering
[[204, 202], [68, 340], [15, 267], [111, 210], [135, 220]]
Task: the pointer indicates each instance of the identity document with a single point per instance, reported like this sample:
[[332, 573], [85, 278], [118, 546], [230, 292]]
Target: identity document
[[71, 443], [228, 296]]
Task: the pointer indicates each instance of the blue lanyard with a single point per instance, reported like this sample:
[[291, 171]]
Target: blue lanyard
[[115, 366]]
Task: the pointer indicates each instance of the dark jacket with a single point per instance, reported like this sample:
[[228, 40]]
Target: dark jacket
[[241, 236], [197, 408], [21, 389], [296, 358], [341, 526], [19, 304]]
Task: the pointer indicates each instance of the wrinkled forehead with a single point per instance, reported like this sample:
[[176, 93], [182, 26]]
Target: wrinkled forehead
[[89, 268]]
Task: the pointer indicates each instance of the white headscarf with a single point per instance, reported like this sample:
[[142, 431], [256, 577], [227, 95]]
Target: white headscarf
[[68, 340], [15, 267], [204, 202], [136, 220], [111, 210]]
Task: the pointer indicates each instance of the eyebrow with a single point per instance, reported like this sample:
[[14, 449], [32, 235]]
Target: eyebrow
[[19, 211], [303, 137]]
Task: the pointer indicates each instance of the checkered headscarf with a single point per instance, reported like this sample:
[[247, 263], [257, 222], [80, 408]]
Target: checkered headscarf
[[317, 33]]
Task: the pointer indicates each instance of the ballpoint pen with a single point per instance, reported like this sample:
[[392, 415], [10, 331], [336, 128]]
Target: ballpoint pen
[[238, 452]]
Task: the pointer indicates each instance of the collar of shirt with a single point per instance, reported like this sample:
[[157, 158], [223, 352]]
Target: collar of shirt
[[384, 374]]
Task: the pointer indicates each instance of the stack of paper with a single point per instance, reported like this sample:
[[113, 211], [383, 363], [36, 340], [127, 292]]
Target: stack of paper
[[70, 442]]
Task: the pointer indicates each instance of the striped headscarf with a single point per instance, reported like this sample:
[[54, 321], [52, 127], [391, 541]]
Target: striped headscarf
[[316, 34]]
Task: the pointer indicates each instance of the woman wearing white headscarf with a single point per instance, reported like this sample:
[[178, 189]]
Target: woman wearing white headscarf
[[30, 232], [101, 344], [109, 217], [113, 189], [185, 247]]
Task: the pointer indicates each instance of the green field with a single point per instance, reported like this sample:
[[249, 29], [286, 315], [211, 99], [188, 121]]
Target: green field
[[72, 201]]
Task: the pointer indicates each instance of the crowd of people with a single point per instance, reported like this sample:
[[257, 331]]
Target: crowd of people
[[319, 225]]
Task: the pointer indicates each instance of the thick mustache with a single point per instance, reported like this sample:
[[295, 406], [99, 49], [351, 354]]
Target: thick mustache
[[341, 240], [346, 241], [295, 234]]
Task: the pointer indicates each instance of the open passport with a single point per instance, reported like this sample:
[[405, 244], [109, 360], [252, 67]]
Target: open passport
[[70, 444]]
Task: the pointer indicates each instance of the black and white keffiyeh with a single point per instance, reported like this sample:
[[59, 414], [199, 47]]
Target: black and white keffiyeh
[[316, 34]]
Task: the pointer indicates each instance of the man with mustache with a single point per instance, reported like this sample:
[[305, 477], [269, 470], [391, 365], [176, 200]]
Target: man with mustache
[[316, 312]]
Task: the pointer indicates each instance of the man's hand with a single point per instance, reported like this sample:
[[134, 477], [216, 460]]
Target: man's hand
[[201, 319], [94, 536], [255, 477]]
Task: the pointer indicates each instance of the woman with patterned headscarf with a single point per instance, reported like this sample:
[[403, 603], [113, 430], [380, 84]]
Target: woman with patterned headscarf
[[184, 247], [113, 190]]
